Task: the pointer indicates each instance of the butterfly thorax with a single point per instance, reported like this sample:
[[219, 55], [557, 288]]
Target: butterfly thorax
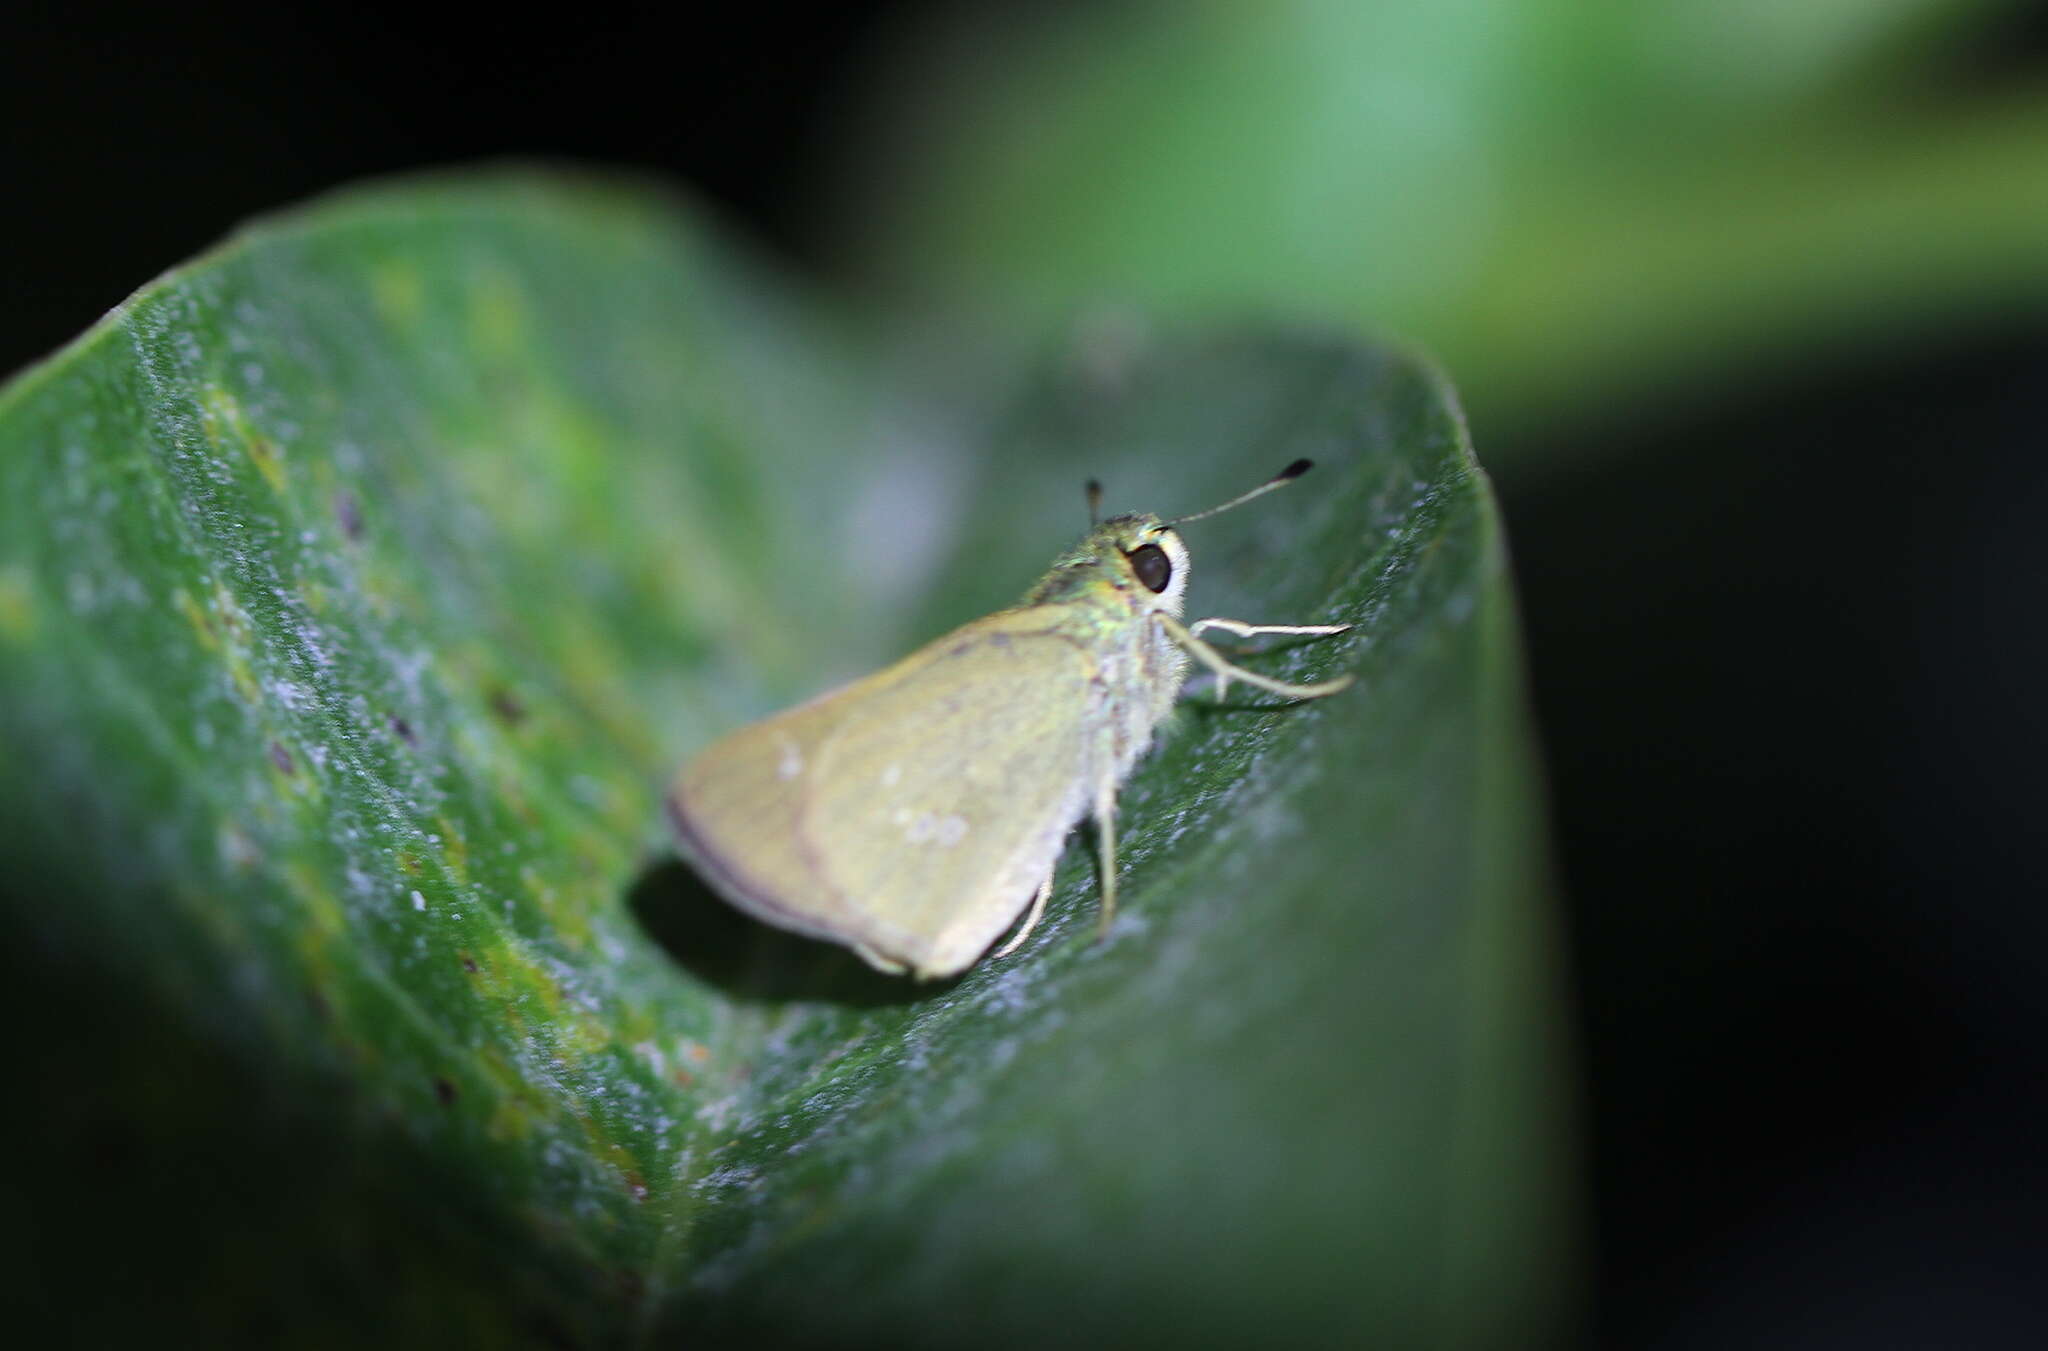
[[1105, 592]]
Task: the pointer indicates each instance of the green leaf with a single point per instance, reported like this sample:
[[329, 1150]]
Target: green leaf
[[362, 583]]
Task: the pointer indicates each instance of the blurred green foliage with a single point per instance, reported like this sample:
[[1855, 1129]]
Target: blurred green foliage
[[362, 582], [1573, 205]]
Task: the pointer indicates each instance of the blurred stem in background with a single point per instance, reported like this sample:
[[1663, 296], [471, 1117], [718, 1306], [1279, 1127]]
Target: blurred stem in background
[[1575, 206]]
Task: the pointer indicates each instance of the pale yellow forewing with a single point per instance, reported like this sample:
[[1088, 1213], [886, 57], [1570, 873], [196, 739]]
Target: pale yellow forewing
[[913, 813]]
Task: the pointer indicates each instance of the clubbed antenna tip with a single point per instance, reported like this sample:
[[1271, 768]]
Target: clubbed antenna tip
[[1285, 476]]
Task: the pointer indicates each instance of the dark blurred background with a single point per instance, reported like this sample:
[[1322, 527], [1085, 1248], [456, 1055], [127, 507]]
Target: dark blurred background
[[1783, 587]]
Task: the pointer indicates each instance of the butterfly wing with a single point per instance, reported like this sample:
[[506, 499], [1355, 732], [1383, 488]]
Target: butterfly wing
[[912, 814]]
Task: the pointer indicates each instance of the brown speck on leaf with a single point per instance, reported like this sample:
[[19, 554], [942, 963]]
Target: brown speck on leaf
[[445, 1091], [636, 1184], [469, 964], [280, 757], [699, 1052], [683, 1077], [348, 513], [409, 862], [403, 731], [507, 706]]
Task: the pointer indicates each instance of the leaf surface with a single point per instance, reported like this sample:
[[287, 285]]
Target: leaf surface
[[361, 585]]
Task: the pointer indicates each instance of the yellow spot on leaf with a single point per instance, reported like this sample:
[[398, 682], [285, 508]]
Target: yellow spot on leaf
[[497, 316], [17, 604], [196, 617], [454, 851], [398, 292]]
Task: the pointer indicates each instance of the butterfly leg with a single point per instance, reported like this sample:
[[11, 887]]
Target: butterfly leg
[[1244, 630], [1105, 844], [1225, 672], [1030, 920]]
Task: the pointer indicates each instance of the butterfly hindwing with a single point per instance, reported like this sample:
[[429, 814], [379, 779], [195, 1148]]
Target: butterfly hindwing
[[920, 807]]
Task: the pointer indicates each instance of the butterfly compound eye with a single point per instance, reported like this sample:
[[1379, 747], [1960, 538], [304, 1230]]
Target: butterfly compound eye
[[1152, 566]]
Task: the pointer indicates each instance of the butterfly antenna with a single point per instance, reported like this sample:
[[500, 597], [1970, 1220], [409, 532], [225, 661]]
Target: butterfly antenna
[[1094, 502], [1279, 480]]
